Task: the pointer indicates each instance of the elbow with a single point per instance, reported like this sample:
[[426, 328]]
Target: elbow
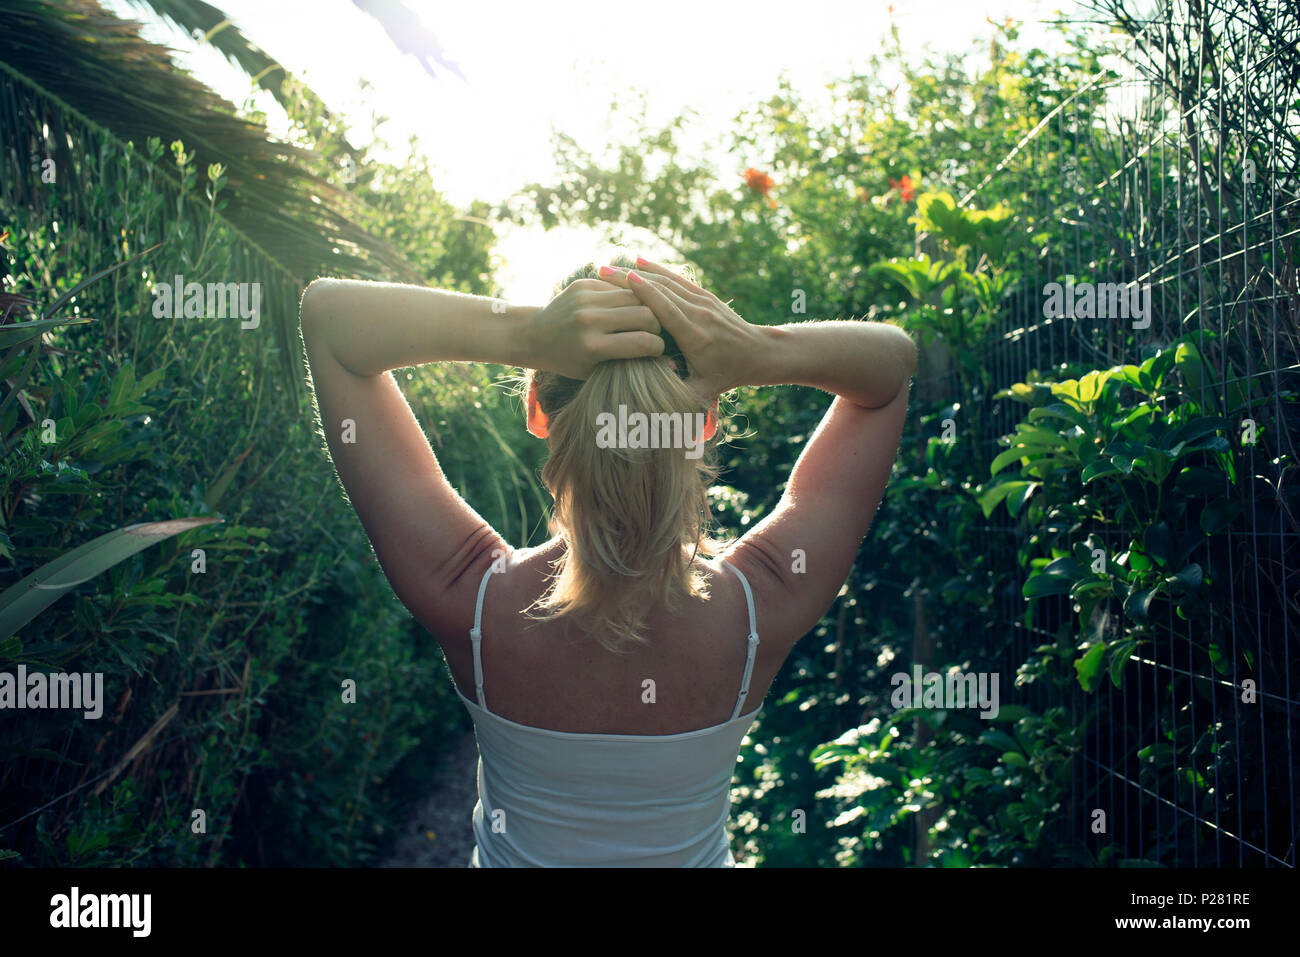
[[908, 354], [314, 303]]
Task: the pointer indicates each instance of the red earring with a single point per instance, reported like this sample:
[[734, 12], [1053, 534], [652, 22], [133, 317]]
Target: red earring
[[539, 424], [542, 424]]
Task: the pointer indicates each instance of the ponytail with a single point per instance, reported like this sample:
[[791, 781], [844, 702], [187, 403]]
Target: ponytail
[[634, 517]]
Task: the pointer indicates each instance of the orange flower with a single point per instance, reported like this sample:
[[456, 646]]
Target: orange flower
[[759, 182], [904, 187]]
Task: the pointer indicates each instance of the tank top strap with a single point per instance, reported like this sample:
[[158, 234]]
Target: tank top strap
[[753, 642], [476, 638]]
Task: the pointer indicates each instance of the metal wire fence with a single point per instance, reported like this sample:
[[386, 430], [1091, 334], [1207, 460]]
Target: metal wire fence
[[1174, 171]]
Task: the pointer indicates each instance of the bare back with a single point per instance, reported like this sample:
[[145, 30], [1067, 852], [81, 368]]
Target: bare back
[[547, 675]]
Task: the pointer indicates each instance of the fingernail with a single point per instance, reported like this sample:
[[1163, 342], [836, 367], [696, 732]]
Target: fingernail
[[634, 277], [642, 262], [605, 271]]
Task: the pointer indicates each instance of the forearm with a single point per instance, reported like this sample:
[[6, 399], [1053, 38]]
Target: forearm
[[866, 362], [372, 327]]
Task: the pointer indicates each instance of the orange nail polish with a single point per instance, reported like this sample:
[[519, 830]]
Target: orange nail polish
[[635, 278]]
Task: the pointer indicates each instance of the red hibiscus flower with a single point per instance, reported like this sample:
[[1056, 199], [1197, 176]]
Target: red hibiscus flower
[[904, 187], [759, 182]]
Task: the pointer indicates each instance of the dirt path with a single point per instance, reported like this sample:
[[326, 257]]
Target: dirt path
[[439, 833]]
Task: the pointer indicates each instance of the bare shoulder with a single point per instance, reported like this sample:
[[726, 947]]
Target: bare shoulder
[[768, 590]]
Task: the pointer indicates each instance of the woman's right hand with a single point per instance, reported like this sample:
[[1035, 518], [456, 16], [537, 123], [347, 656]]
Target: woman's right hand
[[719, 346]]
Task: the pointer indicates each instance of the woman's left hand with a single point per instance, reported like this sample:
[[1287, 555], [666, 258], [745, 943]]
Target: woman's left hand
[[589, 322]]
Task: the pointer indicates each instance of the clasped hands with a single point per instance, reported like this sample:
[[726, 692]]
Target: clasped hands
[[622, 315]]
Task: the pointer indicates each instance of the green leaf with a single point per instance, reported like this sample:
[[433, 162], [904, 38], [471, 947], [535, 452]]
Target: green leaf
[[1089, 586], [1002, 460], [990, 498], [1129, 374], [1218, 515], [1088, 666], [1152, 372], [1191, 576], [1119, 657], [219, 487], [1015, 759], [1220, 661], [1011, 712], [1137, 603], [1060, 410], [1099, 469], [1040, 585], [1215, 443], [18, 333], [1017, 497], [999, 739], [1190, 432], [22, 602], [1190, 365], [1090, 385]]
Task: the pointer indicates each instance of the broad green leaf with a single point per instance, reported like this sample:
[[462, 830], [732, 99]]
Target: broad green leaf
[[1137, 603], [1190, 365], [999, 739], [17, 333], [1003, 459], [1088, 587], [1087, 666], [1011, 712], [1041, 585], [1129, 374], [1060, 410], [1218, 515], [1220, 661], [1189, 577], [1099, 469], [1017, 497], [22, 602], [990, 498], [1090, 386], [1119, 658], [1189, 432]]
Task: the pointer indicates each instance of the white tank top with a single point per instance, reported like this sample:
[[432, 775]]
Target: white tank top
[[562, 799]]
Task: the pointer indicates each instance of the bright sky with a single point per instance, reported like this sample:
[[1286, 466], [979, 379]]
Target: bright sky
[[533, 67]]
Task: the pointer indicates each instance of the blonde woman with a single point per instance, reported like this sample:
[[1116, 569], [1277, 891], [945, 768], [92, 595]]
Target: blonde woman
[[611, 672]]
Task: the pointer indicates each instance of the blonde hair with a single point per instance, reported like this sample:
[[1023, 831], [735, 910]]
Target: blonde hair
[[633, 519]]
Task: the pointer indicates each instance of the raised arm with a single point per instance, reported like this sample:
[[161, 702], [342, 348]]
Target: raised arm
[[806, 546], [428, 539]]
